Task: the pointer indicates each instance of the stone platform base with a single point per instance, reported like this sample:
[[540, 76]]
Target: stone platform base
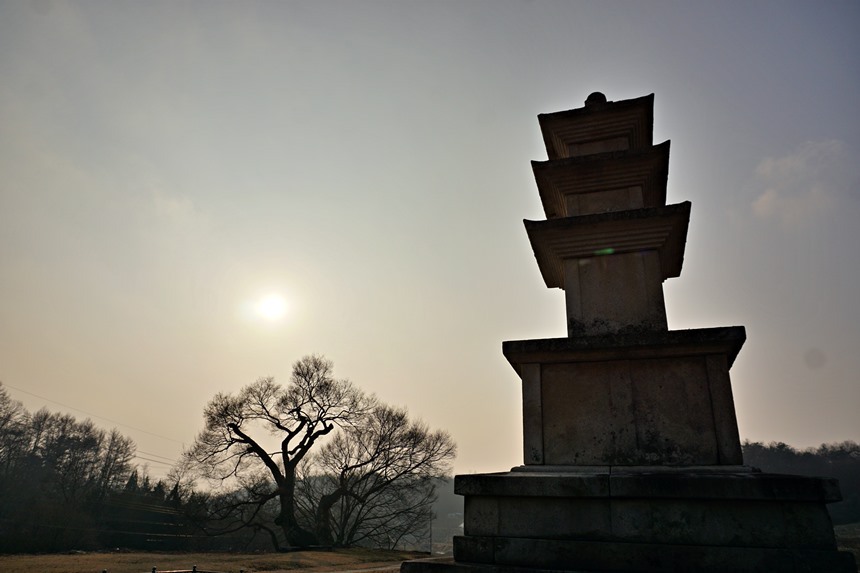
[[608, 556], [583, 557], [607, 519]]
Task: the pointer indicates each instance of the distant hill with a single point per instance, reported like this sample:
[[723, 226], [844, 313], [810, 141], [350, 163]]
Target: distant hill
[[449, 518], [839, 460]]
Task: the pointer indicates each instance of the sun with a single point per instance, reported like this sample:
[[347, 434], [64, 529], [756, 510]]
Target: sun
[[272, 307]]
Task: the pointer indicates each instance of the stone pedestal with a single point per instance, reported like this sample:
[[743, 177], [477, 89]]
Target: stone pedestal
[[632, 399], [632, 459], [649, 519]]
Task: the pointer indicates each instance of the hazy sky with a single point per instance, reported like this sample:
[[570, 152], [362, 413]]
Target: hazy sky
[[164, 165]]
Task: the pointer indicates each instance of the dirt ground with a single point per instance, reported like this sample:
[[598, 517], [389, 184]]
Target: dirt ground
[[340, 561], [352, 560], [848, 537]]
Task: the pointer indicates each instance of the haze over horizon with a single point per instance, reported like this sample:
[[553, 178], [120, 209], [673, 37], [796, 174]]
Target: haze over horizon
[[195, 195]]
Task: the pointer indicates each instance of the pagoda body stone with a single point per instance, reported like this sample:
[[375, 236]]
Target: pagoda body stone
[[631, 454]]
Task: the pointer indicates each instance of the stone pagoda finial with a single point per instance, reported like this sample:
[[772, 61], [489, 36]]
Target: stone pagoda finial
[[595, 98]]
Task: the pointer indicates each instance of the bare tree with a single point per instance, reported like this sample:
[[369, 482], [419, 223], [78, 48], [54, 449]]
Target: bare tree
[[231, 446], [56, 474], [13, 418], [375, 481]]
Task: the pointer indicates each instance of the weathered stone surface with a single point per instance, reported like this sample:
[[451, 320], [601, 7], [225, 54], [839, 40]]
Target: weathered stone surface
[[606, 201], [612, 126], [658, 398], [628, 412], [593, 470], [726, 341], [602, 183], [705, 560], [614, 293], [515, 484], [661, 229], [532, 414], [673, 414], [481, 515], [448, 565], [639, 509], [567, 555], [534, 516], [702, 519], [730, 523], [587, 413], [723, 406], [753, 486], [644, 483]]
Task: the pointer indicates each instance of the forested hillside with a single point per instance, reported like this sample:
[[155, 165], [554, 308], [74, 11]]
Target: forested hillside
[[840, 460], [66, 484]]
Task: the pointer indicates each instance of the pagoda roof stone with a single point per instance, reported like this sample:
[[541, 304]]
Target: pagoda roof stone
[[648, 169], [625, 124], [635, 344], [663, 229]]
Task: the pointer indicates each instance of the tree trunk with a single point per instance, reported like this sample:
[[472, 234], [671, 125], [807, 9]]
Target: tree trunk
[[323, 517], [295, 535]]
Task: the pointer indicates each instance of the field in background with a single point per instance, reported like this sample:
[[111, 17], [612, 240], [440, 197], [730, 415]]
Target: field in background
[[364, 560]]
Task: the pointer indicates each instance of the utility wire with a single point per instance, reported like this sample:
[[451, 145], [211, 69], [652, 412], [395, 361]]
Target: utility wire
[[171, 460], [94, 415], [152, 461]]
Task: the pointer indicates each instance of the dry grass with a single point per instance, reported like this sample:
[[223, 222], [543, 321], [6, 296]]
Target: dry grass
[[848, 537], [345, 560], [362, 560]]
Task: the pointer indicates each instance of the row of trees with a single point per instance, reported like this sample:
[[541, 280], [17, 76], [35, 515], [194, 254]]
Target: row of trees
[[315, 462], [840, 460], [56, 475]]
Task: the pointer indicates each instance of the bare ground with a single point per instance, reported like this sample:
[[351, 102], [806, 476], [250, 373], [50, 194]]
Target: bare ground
[[340, 561], [848, 537], [346, 560]]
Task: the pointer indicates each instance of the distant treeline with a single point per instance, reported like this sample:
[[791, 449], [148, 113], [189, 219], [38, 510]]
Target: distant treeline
[[69, 485], [840, 460], [66, 484]]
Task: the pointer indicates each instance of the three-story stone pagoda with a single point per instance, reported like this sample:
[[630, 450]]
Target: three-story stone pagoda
[[632, 459]]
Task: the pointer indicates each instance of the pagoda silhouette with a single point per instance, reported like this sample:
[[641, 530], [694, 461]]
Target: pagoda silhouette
[[632, 458]]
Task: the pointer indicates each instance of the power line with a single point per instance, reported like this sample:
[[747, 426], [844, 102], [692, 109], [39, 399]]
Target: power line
[[152, 461], [94, 415], [171, 460]]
